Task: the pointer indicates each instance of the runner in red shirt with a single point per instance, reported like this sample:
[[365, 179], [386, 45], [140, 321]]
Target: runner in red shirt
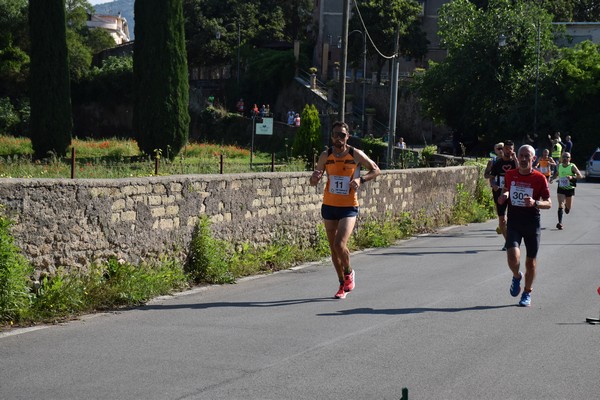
[[526, 191]]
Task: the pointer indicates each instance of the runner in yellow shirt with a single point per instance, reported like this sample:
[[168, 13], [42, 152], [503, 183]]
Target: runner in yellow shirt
[[567, 174]]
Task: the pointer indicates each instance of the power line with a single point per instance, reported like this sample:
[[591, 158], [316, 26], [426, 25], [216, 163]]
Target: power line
[[368, 35]]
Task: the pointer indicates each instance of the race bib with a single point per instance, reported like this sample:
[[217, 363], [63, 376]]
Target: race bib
[[518, 195], [563, 182], [544, 170], [339, 184]]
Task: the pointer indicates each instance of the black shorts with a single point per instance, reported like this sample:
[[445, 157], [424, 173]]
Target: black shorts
[[528, 231], [337, 213], [500, 208], [566, 192]]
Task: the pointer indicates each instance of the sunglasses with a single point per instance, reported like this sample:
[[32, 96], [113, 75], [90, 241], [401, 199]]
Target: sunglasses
[[339, 134], [498, 148]]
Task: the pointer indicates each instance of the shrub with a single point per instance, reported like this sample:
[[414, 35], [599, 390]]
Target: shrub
[[375, 148], [14, 276], [427, 154], [58, 296], [8, 116], [114, 80], [113, 284], [383, 233], [308, 141], [208, 260]]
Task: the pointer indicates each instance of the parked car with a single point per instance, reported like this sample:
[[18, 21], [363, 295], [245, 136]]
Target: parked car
[[592, 168]]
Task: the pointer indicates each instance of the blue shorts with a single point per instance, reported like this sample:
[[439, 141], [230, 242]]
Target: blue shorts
[[337, 213]]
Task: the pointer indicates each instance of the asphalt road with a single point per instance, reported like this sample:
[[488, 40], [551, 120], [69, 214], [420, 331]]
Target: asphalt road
[[432, 314]]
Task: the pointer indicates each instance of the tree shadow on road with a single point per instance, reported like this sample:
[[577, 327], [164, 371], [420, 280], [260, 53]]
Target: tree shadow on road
[[417, 310], [411, 251], [240, 304]]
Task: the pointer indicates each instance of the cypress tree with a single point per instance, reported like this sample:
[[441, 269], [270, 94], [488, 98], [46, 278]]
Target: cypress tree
[[50, 91], [308, 136], [160, 116]]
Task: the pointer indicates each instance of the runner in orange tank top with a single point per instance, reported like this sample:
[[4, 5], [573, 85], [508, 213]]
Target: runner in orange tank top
[[545, 164], [340, 201]]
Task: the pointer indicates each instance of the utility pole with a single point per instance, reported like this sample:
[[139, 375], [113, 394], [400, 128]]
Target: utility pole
[[342, 97], [393, 101], [537, 78]]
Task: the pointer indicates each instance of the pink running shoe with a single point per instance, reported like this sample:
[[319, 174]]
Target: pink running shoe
[[341, 294], [349, 281]]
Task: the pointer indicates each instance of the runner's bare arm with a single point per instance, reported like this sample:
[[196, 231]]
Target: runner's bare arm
[[368, 164], [319, 169]]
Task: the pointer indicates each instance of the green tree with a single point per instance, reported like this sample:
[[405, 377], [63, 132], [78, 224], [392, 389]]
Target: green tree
[[266, 72], [80, 56], [308, 136], [14, 46], [573, 10], [160, 117], [297, 15], [586, 10], [13, 20], [213, 27], [384, 20], [78, 38], [98, 40], [113, 80], [51, 120], [484, 90], [573, 85], [563, 10]]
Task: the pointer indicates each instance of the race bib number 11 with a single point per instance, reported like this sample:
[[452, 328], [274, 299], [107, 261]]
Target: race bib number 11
[[339, 184]]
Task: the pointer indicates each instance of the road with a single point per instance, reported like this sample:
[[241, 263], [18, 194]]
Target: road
[[432, 314]]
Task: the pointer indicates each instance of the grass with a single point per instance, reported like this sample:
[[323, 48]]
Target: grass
[[115, 284], [121, 158]]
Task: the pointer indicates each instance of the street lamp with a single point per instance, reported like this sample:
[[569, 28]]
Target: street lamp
[[502, 40], [342, 101], [364, 37]]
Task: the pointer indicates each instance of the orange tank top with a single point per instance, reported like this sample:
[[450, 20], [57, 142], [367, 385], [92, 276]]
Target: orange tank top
[[340, 172], [544, 167]]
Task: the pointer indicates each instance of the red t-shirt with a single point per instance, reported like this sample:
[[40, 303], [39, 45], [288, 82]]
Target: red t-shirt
[[534, 185]]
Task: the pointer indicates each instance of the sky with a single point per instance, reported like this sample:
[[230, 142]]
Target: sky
[[94, 2]]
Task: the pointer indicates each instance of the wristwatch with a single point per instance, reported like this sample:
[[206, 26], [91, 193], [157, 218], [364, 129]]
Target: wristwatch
[[537, 204], [362, 180]]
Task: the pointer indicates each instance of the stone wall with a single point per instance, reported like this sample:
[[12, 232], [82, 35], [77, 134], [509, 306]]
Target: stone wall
[[73, 223]]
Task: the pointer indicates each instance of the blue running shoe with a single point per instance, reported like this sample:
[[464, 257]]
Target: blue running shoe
[[515, 286], [525, 299]]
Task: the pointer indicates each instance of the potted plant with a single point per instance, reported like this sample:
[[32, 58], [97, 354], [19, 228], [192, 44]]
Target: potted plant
[[313, 77]]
